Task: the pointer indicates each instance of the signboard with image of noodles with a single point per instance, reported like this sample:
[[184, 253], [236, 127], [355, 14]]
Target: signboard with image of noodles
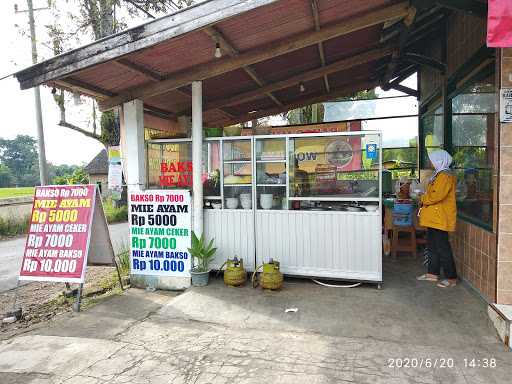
[[59, 233], [160, 232]]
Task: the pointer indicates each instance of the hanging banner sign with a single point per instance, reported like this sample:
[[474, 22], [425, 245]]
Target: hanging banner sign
[[499, 22], [160, 232], [59, 237], [506, 105], [115, 169]]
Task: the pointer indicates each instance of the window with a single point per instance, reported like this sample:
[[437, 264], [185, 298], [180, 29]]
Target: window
[[473, 121], [333, 167], [433, 133]]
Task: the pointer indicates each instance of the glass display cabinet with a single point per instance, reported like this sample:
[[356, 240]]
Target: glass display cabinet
[[237, 173], [271, 173], [311, 201]]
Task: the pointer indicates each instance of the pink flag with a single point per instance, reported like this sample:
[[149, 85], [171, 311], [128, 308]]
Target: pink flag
[[499, 24]]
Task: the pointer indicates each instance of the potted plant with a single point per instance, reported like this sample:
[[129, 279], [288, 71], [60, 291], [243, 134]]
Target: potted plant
[[202, 254]]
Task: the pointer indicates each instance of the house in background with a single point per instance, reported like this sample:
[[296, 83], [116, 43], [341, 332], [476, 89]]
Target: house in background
[[97, 170]]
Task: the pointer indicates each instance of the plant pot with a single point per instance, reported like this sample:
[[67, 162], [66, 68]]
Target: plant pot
[[200, 279]]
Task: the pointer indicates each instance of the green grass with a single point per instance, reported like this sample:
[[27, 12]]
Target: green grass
[[13, 226], [6, 193], [115, 214]]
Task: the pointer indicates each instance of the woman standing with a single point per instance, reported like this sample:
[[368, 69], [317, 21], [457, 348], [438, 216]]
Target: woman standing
[[438, 213]]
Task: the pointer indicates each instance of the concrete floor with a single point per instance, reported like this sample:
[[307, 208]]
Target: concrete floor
[[218, 334]]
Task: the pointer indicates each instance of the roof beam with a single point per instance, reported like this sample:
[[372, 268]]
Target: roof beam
[[158, 112], [350, 62], [72, 84], [153, 75], [321, 51], [227, 47], [302, 40], [347, 90], [405, 29], [404, 89], [419, 59], [134, 67]]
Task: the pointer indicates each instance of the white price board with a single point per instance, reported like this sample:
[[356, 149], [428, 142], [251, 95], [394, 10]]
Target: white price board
[[160, 232], [506, 105]]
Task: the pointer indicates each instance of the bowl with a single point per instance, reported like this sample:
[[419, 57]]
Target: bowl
[[245, 196], [216, 205], [266, 200], [232, 131], [213, 132], [371, 208], [246, 203], [232, 202]]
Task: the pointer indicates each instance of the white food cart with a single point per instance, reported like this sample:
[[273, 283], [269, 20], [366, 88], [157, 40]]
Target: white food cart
[[311, 201]]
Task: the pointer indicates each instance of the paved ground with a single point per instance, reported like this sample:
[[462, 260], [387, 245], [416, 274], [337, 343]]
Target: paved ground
[[11, 253], [226, 335]]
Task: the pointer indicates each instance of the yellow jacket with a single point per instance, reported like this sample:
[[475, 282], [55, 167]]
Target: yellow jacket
[[438, 206]]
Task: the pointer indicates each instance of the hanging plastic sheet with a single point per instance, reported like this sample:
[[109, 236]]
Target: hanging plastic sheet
[[499, 24]]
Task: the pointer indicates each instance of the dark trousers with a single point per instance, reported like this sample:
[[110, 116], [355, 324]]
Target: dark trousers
[[440, 254]]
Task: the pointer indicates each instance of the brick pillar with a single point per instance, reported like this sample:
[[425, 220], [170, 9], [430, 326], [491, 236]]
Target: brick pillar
[[504, 262]]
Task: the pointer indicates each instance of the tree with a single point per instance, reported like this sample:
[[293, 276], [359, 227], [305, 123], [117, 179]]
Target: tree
[[96, 19], [79, 176], [6, 177], [20, 156]]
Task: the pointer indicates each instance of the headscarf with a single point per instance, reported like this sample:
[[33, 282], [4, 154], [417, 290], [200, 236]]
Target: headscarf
[[441, 160]]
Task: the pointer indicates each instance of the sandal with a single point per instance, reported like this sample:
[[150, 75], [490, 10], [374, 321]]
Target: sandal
[[426, 277], [446, 284]]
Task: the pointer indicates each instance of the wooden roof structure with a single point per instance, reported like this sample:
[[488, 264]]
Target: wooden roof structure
[[276, 55]]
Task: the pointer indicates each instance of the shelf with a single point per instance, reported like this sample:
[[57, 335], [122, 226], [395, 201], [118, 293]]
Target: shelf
[[271, 185], [237, 161], [238, 185], [334, 198], [271, 161], [212, 197]]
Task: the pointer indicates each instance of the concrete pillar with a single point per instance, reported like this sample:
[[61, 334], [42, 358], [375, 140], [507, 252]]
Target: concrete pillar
[[134, 157], [197, 153], [504, 261], [135, 151]]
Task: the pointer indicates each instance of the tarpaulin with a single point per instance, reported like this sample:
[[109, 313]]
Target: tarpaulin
[[499, 24]]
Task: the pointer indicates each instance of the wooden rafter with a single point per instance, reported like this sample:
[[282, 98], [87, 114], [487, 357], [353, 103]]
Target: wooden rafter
[[350, 62], [321, 51], [134, 67], [228, 48], [302, 40], [71, 84], [346, 90], [153, 75]]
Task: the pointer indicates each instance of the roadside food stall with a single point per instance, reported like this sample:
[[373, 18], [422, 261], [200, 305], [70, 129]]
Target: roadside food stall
[[310, 200]]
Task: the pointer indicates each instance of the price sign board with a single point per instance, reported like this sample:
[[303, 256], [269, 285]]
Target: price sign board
[[160, 232], [59, 234]]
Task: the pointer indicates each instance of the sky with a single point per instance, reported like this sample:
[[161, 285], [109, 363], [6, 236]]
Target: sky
[[17, 107], [64, 146]]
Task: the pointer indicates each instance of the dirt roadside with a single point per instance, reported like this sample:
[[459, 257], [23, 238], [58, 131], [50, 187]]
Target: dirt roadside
[[42, 301]]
